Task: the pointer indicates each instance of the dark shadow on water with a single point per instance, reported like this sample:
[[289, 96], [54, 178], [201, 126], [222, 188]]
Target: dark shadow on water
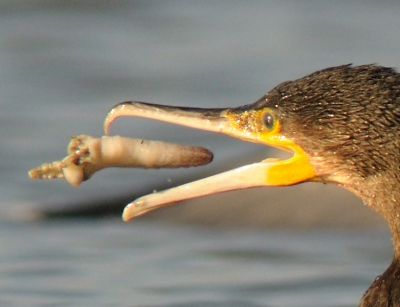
[[243, 303]]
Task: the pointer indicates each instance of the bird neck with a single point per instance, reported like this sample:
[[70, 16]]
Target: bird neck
[[384, 291], [382, 193], [390, 210], [396, 241]]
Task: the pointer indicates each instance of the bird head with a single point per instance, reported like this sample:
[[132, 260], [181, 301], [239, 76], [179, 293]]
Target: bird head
[[342, 125]]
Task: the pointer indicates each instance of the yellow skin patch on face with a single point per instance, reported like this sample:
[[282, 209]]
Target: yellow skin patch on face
[[287, 172], [291, 171], [248, 121]]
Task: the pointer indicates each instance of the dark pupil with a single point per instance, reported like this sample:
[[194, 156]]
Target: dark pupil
[[269, 120]]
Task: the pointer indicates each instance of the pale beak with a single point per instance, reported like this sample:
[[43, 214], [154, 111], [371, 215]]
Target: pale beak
[[265, 173]]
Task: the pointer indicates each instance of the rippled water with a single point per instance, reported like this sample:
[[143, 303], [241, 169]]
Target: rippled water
[[107, 263], [64, 64]]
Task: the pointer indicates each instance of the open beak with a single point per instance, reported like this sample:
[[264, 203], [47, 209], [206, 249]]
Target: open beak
[[246, 123]]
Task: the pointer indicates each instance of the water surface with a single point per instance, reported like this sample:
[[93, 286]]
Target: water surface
[[108, 263]]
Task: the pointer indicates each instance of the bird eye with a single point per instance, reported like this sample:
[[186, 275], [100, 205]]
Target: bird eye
[[269, 120]]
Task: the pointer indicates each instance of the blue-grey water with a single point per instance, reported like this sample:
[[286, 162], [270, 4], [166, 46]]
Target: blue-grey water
[[107, 263], [63, 64]]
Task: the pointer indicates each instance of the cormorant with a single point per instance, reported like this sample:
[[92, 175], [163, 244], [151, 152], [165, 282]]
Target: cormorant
[[342, 125]]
